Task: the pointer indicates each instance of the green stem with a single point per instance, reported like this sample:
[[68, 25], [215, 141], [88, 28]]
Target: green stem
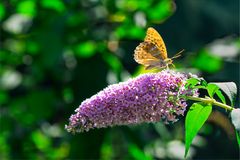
[[211, 101]]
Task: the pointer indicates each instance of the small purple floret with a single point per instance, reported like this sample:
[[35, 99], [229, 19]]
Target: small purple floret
[[146, 98]]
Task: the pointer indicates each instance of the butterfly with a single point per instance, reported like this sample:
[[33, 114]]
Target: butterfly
[[152, 53]]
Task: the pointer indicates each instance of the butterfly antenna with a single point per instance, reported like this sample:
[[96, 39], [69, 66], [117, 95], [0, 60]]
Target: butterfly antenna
[[178, 54]]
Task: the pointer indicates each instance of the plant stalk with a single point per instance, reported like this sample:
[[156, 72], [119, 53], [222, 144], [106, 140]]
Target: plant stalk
[[211, 101]]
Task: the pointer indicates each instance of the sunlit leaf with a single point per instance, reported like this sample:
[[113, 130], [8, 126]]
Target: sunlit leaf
[[211, 89], [27, 7], [237, 42], [130, 32], [136, 32], [106, 150], [2, 11], [117, 17], [137, 153], [230, 89], [207, 62], [203, 83], [199, 83], [61, 152], [41, 141], [86, 49], [57, 5], [196, 117], [132, 5], [128, 5], [192, 82], [162, 10]]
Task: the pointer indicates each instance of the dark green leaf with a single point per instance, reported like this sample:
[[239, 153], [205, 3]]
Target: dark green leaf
[[196, 117], [211, 89], [4, 97], [230, 89]]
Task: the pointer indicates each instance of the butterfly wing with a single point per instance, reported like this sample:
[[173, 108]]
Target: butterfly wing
[[141, 54], [147, 54], [154, 37]]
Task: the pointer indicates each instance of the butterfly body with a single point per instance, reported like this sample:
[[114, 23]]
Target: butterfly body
[[152, 53]]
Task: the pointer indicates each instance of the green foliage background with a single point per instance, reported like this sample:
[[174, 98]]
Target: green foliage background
[[54, 54]]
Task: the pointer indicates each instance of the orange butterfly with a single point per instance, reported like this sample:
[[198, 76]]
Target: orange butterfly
[[152, 53]]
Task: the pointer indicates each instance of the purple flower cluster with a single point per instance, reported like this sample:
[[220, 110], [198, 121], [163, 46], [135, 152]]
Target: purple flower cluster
[[146, 98]]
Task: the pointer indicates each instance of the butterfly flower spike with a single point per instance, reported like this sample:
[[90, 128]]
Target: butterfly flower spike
[[146, 98]]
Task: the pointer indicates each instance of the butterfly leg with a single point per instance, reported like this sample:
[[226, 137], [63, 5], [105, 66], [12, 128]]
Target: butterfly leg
[[167, 67]]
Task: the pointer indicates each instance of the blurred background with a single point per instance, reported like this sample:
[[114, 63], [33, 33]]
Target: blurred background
[[56, 53]]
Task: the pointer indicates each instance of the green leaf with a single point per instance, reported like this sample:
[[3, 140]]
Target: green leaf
[[238, 137], [27, 7], [207, 62], [221, 96], [211, 89], [129, 31], [160, 11], [192, 82], [57, 5], [203, 83], [4, 97], [85, 49], [196, 117], [200, 87], [41, 141], [137, 153], [2, 11], [230, 89], [113, 62]]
